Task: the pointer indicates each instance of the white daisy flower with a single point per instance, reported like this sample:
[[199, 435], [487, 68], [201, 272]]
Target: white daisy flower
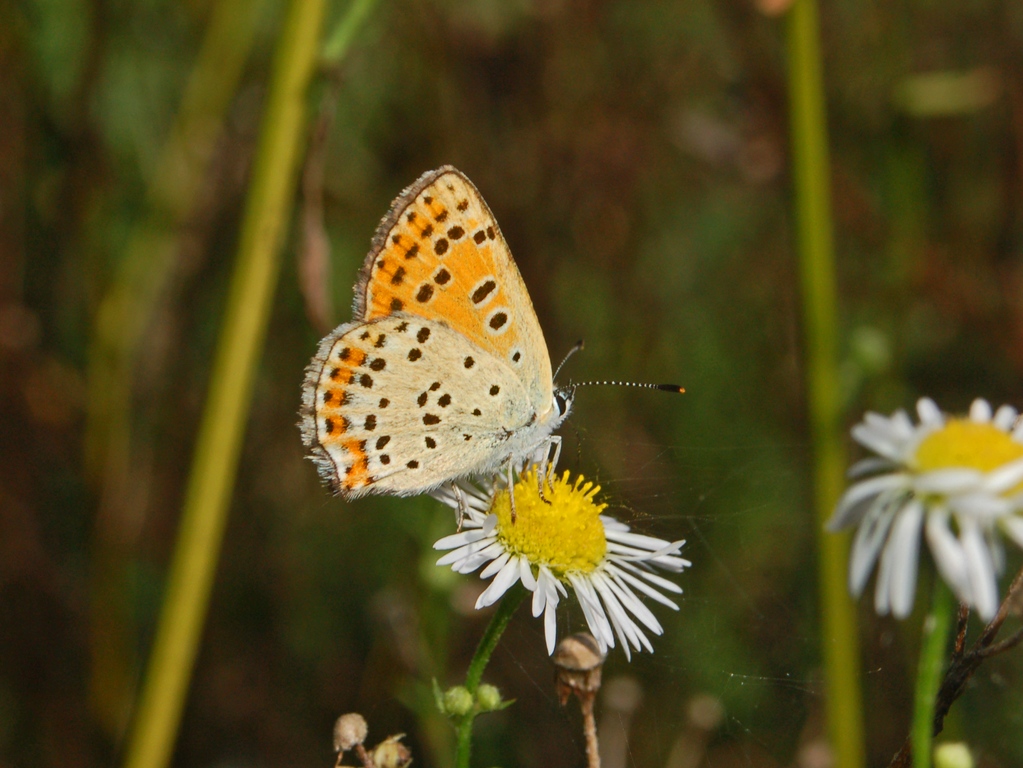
[[960, 480], [566, 543]]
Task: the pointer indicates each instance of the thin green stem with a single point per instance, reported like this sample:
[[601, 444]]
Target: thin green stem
[[928, 676], [505, 610], [343, 34], [138, 290], [811, 179], [215, 460]]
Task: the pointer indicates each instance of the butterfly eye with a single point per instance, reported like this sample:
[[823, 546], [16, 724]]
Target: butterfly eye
[[563, 400]]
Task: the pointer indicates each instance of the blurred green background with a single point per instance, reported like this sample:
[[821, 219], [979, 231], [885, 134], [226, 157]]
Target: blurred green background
[[635, 154]]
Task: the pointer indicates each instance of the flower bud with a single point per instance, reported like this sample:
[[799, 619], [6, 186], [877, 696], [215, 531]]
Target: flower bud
[[488, 697], [457, 701], [953, 755]]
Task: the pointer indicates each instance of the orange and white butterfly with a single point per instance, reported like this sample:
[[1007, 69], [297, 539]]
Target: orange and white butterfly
[[443, 372]]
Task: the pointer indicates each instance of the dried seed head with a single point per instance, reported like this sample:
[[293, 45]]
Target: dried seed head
[[578, 653], [391, 753], [349, 730], [579, 661]]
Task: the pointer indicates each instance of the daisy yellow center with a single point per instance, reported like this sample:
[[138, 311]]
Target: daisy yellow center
[[962, 443], [566, 535]]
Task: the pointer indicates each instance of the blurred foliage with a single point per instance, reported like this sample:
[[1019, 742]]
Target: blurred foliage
[[635, 155]]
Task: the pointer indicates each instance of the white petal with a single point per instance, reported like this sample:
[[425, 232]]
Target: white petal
[[885, 584], [1005, 417], [849, 509], [626, 629], [878, 441], [540, 593], [479, 552], [661, 559], [870, 536], [948, 555], [901, 425], [994, 546], [869, 466], [474, 560], [526, 574], [981, 571], [497, 565], [458, 539], [653, 578], [550, 627], [501, 583], [980, 411], [983, 507], [470, 564], [593, 611], [490, 524], [610, 524], [628, 600], [948, 481], [881, 424], [1005, 477], [882, 584], [906, 541], [929, 412], [616, 610], [1014, 528], [642, 587], [539, 601], [638, 540]]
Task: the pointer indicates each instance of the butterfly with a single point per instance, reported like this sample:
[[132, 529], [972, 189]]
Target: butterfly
[[443, 372]]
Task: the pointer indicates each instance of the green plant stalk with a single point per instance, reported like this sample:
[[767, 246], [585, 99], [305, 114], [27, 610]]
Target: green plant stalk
[[344, 31], [124, 314], [811, 172], [174, 183], [928, 677], [216, 456], [505, 610]]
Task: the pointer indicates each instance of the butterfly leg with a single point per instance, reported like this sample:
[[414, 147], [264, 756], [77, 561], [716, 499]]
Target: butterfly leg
[[548, 466], [463, 508], [511, 489]]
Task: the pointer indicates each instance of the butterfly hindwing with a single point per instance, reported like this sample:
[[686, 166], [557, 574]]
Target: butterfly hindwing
[[401, 404], [439, 254]]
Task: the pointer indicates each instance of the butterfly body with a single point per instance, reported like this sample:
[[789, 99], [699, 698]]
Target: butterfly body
[[444, 371]]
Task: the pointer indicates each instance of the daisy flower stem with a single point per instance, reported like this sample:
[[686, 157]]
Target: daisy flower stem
[[928, 678], [505, 610]]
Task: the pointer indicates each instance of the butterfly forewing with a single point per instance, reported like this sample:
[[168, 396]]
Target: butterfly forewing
[[440, 255], [401, 404]]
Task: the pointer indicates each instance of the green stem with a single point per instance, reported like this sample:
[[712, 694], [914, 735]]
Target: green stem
[[344, 32], [928, 677], [811, 178], [505, 610], [215, 460], [138, 290]]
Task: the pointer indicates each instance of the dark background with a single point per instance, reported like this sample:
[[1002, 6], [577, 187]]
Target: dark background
[[635, 155]]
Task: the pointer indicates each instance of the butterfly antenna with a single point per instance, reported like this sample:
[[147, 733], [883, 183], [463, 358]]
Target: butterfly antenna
[[578, 346], [663, 387]]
